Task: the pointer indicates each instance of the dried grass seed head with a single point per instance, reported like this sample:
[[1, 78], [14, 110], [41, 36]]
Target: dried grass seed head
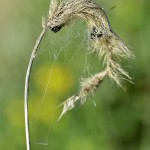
[[102, 38]]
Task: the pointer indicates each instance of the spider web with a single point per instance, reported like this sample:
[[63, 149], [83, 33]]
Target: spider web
[[62, 60]]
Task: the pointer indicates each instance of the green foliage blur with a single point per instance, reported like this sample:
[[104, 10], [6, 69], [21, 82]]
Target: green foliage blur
[[120, 120]]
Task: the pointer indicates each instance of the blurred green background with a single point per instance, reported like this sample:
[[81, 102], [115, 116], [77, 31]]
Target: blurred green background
[[120, 120]]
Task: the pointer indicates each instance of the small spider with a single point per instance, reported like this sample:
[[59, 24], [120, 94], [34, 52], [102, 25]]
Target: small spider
[[95, 33], [56, 28]]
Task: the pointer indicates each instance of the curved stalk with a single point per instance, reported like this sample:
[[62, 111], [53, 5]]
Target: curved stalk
[[26, 92]]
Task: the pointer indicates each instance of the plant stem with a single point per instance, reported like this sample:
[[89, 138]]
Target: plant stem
[[26, 92]]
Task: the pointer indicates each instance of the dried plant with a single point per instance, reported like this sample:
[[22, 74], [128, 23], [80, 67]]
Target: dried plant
[[102, 39]]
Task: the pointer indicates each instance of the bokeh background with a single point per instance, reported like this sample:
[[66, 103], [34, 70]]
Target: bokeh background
[[119, 121]]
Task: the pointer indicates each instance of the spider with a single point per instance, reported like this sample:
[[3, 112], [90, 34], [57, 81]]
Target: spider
[[56, 28], [95, 33]]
